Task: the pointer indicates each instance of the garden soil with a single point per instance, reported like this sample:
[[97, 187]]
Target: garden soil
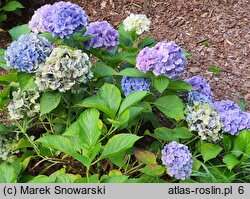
[[224, 25]]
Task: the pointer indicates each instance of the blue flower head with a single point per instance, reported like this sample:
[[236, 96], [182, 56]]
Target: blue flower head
[[178, 160], [27, 53], [131, 84]]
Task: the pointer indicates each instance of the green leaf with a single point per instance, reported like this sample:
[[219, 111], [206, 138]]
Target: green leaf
[[230, 160], [7, 173], [3, 17], [242, 142], [161, 83], [4, 66], [209, 150], [171, 106], [165, 134], [11, 6], [182, 133], [4, 129], [132, 72], [179, 85], [228, 142], [49, 101], [145, 157], [40, 179], [26, 81], [153, 170], [9, 77], [148, 41], [114, 179], [102, 70], [132, 99], [118, 143], [111, 95], [17, 31], [124, 56], [96, 102], [89, 129], [91, 179]]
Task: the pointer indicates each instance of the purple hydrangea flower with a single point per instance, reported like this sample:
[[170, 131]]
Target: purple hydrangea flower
[[28, 52], [165, 58], [194, 96], [201, 85], [234, 120], [178, 160], [104, 36], [36, 22], [131, 84], [61, 19]]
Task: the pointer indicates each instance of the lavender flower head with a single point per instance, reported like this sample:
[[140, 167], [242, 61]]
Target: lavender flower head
[[28, 53], [165, 58], [63, 69], [104, 36], [205, 120], [36, 22], [234, 120], [178, 160], [131, 84], [200, 84], [194, 96], [61, 19]]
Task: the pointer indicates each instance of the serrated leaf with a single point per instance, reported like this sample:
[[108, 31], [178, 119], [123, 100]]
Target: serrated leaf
[[145, 157], [161, 83], [230, 160], [153, 170], [171, 106], [111, 95], [114, 179], [49, 101], [17, 31], [7, 173], [9, 77], [209, 151], [88, 124], [179, 85], [11, 6], [40, 179], [118, 143], [182, 133], [165, 134], [132, 99], [132, 72], [26, 81], [242, 142], [102, 70]]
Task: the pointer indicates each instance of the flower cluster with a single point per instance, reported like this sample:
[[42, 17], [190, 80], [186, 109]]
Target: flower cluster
[[8, 143], [63, 69], [131, 84], [138, 23], [27, 53], [194, 96], [200, 85], [61, 19], [205, 120], [178, 160], [24, 103], [103, 36], [234, 120], [165, 58]]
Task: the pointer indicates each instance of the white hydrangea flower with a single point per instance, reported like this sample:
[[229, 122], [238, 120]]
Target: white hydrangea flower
[[24, 103], [137, 22]]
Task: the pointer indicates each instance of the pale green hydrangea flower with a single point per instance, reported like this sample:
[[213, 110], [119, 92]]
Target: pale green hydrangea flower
[[63, 69], [205, 120], [24, 103], [137, 22], [8, 143]]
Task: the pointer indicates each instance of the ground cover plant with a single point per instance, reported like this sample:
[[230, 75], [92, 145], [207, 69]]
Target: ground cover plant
[[90, 103]]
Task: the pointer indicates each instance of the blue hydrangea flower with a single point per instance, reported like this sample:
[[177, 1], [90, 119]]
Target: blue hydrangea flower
[[104, 36], [165, 58], [194, 96], [28, 52], [178, 160], [234, 120], [201, 85], [63, 18], [131, 84]]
